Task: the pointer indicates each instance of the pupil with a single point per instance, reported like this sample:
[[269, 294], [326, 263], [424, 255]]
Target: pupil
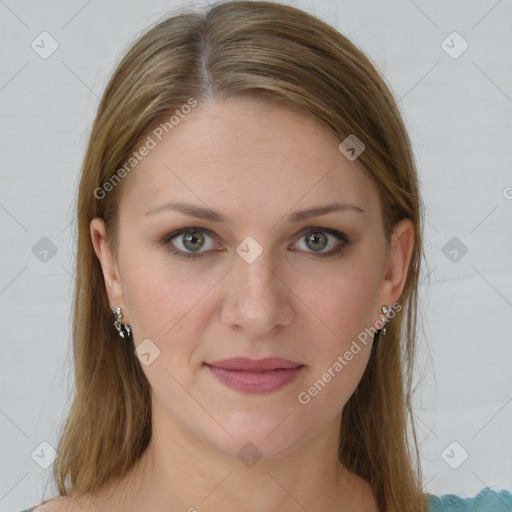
[[189, 237], [314, 237]]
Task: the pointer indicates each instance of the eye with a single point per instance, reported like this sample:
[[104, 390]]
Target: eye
[[317, 239], [190, 239]]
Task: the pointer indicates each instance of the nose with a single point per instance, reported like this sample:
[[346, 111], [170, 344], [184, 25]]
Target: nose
[[257, 298]]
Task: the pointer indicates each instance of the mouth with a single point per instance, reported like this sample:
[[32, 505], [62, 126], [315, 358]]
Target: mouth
[[255, 375]]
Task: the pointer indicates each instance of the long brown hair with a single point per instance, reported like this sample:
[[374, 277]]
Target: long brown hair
[[279, 54]]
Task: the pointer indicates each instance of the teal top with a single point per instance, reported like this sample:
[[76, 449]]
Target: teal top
[[486, 500]]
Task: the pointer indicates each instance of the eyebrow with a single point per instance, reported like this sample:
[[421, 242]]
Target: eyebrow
[[205, 213]]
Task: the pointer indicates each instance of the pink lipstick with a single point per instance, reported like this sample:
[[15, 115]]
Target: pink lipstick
[[255, 375]]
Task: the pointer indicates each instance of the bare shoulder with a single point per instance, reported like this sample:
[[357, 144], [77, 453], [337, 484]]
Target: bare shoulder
[[51, 505], [94, 501], [60, 504], [103, 499]]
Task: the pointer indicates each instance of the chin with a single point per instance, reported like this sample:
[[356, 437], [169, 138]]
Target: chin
[[257, 434]]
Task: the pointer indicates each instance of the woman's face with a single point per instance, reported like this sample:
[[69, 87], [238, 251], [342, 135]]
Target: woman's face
[[263, 282]]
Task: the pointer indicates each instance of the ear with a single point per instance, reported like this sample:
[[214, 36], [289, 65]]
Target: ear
[[108, 263], [395, 273]]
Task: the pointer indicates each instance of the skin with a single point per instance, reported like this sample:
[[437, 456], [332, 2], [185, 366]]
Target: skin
[[255, 164]]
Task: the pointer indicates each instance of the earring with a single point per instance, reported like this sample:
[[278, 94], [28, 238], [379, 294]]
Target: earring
[[125, 331], [382, 331]]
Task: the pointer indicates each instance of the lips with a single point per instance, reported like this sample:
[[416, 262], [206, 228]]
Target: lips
[[255, 365], [255, 375]]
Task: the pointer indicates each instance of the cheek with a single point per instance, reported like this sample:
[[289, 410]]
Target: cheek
[[344, 301], [332, 381], [166, 301], [339, 360], [345, 305]]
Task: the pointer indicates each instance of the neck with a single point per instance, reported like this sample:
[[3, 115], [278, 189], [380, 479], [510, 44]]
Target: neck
[[179, 472]]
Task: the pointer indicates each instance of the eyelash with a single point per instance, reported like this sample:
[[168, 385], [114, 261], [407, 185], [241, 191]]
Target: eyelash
[[166, 241]]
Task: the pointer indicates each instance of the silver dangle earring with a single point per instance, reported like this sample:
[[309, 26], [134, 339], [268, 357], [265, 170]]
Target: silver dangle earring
[[125, 331], [383, 319]]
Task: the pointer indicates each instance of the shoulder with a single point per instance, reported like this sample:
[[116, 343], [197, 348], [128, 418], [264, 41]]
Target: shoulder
[[57, 504], [487, 500]]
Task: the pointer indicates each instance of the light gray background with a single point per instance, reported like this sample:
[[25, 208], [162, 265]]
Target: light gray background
[[458, 111]]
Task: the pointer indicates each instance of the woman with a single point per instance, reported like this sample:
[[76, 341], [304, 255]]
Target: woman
[[249, 250]]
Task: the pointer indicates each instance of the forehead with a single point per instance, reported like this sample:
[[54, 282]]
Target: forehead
[[242, 156]]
